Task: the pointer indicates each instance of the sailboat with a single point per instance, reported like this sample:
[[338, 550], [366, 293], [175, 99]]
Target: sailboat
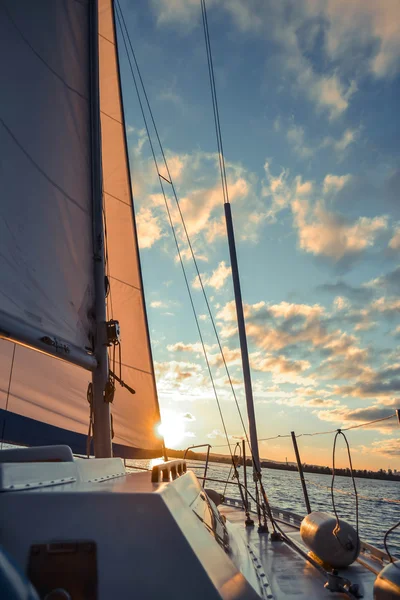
[[76, 370]]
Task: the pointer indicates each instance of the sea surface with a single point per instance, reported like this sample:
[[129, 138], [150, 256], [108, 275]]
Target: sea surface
[[378, 501]]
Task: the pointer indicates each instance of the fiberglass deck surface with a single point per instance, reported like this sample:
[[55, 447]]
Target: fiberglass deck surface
[[289, 575]]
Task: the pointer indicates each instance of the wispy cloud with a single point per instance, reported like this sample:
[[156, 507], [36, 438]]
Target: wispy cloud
[[149, 227], [216, 280], [341, 144], [360, 416], [335, 183], [296, 138], [394, 243]]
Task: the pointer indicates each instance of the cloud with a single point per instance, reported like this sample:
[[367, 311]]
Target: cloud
[[354, 39], [386, 306], [198, 205], [295, 137], [334, 183], [383, 383], [389, 281], [176, 165], [394, 243], [357, 24], [216, 280], [182, 381], [328, 234], [359, 416], [341, 144], [157, 304], [296, 323], [357, 294], [341, 303], [389, 448], [149, 228], [188, 417], [195, 347], [277, 364], [328, 92]]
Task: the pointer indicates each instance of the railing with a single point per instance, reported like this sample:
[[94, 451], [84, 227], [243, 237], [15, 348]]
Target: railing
[[208, 446]]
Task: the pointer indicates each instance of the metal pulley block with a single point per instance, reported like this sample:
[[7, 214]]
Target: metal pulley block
[[113, 332]]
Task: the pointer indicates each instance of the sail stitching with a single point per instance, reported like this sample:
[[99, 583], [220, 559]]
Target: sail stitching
[[41, 171], [36, 53]]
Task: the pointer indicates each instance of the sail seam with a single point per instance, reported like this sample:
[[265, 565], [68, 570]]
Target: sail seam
[[36, 53], [110, 117], [135, 287], [106, 39], [41, 171], [119, 199]]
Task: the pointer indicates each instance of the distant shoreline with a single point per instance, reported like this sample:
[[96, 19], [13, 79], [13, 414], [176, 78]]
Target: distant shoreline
[[268, 464]]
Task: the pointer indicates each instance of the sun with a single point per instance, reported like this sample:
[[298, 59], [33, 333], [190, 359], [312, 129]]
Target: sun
[[172, 428]]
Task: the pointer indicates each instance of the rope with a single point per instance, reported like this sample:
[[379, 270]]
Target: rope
[[349, 428], [8, 395], [366, 424], [337, 528], [170, 181], [91, 419], [389, 531], [125, 37], [233, 467]]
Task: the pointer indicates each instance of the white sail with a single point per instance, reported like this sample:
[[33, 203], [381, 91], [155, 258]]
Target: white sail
[[45, 175], [46, 256], [134, 416]]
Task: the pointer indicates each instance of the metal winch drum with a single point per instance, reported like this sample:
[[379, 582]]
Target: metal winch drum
[[335, 546]]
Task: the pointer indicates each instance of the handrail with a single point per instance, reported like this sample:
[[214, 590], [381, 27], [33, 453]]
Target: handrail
[[208, 446]]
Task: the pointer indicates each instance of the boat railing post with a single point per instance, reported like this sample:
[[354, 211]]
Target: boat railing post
[[246, 495], [300, 468], [206, 465]]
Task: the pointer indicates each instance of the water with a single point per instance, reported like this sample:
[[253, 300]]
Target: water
[[376, 512]]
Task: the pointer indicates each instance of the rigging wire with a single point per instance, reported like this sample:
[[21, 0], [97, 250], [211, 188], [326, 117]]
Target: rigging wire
[[121, 21], [214, 102], [336, 530], [118, 13], [366, 424], [389, 531], [232, 466]]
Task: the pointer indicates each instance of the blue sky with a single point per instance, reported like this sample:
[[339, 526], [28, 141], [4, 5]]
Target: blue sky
[[308, 94]]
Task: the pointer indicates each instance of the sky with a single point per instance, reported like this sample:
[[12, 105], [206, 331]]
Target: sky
[[308, 96]]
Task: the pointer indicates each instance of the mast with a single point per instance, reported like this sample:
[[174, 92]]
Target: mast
[[101, 408], [243, 339]]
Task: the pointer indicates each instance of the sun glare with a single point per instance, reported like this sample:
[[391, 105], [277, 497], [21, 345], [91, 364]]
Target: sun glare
[[172, 429]]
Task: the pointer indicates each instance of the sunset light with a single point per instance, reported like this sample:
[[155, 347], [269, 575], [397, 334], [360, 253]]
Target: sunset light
[[172, 428]]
